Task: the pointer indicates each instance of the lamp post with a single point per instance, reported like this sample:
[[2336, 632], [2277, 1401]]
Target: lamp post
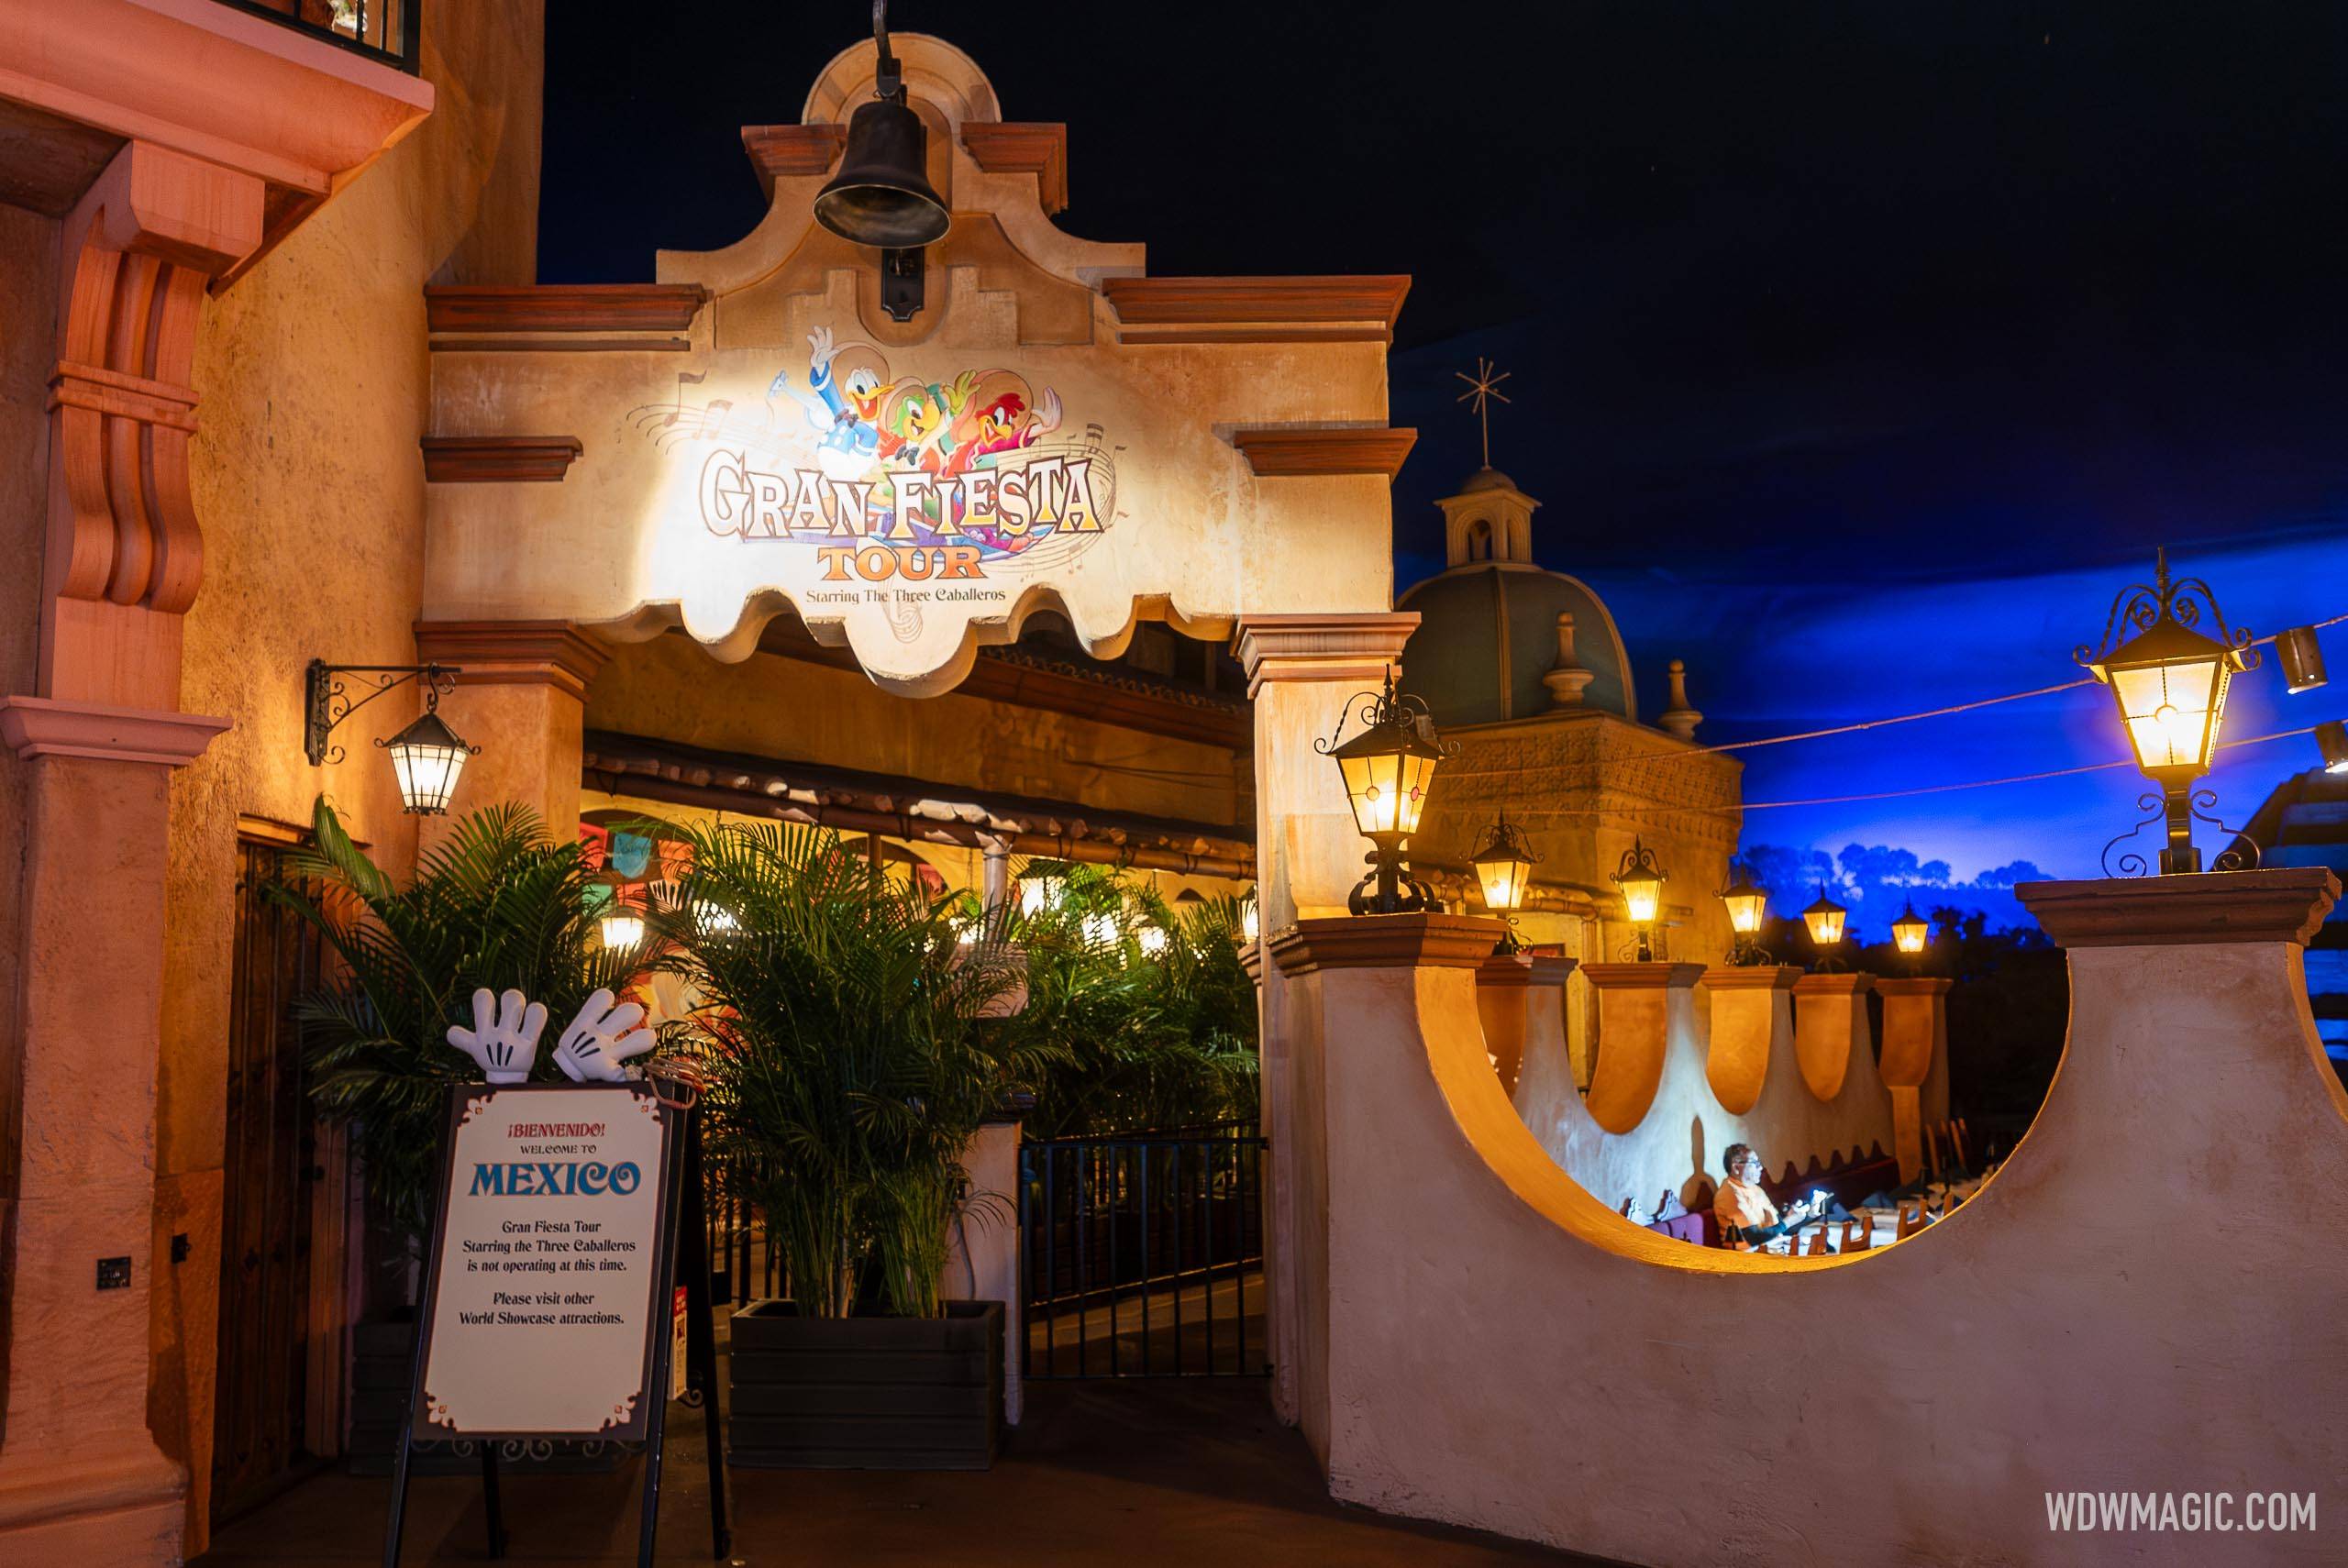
[[1910, 932], [1825, 920], [2169, 680], [1503, 863], [1387, 768], [1642, 881], [1748, 905]]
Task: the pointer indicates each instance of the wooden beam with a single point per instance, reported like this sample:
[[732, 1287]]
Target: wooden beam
[[563, 307], [1327, 449], [1016, 147], [494, 459]]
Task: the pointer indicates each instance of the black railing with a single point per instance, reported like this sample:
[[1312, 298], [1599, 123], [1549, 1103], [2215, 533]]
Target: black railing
[[1141, 1254], [389, 32]]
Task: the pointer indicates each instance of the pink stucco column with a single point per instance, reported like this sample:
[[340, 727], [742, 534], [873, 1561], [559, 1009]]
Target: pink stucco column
[[1643, 1010], [1915, 1061], [1302, 670], [1351, 978], [1752, 1025], [522, 698], [81, 1478], [1521, 997]]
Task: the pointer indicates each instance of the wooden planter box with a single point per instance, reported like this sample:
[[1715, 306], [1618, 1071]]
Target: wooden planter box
[[865, 1393]]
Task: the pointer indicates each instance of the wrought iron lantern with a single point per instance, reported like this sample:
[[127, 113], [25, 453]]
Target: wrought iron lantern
[[1825, 920], [621, 923], [881, 196], [1910, 930], [1387, 768], [2169, 680], [2332, 739], [1642, 881], [1503, 863], [426, 756], [1748, 906], [1041, 887]]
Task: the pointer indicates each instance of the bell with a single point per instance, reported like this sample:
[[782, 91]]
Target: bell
[[881, 196]]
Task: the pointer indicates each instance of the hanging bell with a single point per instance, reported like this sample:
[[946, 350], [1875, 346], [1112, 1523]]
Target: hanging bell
[[881, 196]]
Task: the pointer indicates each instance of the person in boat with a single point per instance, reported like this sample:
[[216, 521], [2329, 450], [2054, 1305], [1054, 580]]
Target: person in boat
[[1747, 1218]]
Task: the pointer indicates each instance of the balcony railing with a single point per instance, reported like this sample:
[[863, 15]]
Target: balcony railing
[[386, 31]]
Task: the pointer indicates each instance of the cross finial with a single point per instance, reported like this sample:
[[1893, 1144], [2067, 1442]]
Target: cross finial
[[1483, 386]]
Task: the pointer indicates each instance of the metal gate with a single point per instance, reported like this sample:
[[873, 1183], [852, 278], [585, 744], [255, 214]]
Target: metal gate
[[1142, 1254], [261, 1438]]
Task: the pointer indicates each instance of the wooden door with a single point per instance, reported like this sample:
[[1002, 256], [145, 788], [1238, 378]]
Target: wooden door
[[260, 1441]]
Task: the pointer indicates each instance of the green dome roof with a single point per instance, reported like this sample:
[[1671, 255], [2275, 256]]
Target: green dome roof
[[1488, 634]]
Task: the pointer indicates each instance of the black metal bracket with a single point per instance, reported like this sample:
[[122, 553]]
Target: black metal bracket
[[328, 700], [904, 282]]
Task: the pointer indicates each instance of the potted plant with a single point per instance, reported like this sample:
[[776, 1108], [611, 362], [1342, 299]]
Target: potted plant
[[497, 904], [848, 1058]]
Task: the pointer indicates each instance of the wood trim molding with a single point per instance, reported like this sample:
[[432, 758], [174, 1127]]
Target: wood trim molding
[[781, 151], [42, 726], [1257, 309], [1913, 984], [499, 459], [1035, 147], [1642, 977], [1385, 942], [1849, 984], [1325, 449], [1361, 645], [1513, 971], [513, 653], [1749, 978], [563, 307], [2282, 905]]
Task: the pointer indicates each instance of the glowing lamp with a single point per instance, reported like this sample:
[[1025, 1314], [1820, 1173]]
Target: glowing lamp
[[1152, 939], [1747, 904], [1039, 890], [2169, 682], [1910, 930], [1249, 927], [2333, 739], [1503, 865], [1825, 920], [426, 757], [1387, 768], [1642, 881], [622, 925]]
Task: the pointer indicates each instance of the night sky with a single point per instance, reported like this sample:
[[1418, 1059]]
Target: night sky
[[1860, 352]]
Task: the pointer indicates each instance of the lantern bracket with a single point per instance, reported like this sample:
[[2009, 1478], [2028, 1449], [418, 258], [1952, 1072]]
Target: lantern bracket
[[328, 698], [2161, 807], [2138, 607]]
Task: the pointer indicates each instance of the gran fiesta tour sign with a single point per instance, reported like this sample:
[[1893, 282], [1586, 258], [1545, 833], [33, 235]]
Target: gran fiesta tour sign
[[872, 484]]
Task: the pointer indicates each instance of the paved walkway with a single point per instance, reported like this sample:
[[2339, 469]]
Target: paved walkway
[[1127, 1475]]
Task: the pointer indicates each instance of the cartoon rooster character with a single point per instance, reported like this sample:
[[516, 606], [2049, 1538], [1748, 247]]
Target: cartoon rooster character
[[993, 415]]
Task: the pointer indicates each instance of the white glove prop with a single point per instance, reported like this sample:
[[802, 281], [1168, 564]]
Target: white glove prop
[[600, 1040], [504, 1037]]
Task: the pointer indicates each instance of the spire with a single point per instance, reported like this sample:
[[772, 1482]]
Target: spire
[[1567, 676], [1490, 519], [1679, 719]]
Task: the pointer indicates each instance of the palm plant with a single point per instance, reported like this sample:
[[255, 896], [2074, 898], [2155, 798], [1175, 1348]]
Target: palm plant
[[499, 904], [846, 1058], [1136, 1039]]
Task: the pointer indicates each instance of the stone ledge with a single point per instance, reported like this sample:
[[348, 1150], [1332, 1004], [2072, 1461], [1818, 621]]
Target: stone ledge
[[1385, 942], [1360, 645], [2283, 905], [1913, 984], [44, 727], [513, 653], [1519, 969], [1752, 977], [1641, 977], [1849, 983]]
